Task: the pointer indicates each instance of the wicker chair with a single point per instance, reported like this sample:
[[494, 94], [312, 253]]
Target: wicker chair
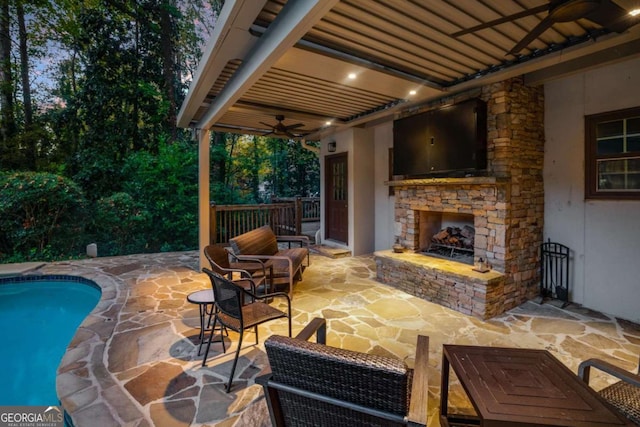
[[312, 384], [218, 258], [233, 314], [624, 395]]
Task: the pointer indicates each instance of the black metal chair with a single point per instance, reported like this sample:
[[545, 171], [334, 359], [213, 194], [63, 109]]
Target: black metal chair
[[624, 395], [233, 314], [312, 384]]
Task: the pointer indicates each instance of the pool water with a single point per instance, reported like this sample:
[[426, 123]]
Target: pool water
[[38, 319]]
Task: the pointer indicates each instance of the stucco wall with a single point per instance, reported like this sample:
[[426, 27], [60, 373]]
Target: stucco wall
[[604, 236], [361, 192], [359, 144], [384, 204]]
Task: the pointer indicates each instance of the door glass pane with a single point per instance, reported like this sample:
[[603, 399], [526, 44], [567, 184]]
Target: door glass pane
[[339, 187], [619, 174]]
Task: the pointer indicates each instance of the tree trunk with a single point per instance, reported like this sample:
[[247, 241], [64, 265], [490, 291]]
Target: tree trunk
[[26, 86], [219, 169], [8, 125], [168, 64]]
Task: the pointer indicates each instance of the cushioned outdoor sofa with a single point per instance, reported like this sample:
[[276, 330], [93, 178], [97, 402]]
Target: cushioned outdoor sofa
[[284, 265]]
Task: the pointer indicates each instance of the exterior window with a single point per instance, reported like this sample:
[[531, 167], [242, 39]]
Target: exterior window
[[613, 155]]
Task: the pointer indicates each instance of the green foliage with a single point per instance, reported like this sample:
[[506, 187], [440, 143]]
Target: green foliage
[[294, 171], [41, 216], [106, 134], [252, 169], [167, 185], [119, 225]]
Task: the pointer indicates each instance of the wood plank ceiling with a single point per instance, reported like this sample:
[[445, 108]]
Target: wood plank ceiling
[[392, 47]]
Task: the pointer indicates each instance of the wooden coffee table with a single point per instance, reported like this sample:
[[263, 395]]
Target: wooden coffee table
[[521, 387]]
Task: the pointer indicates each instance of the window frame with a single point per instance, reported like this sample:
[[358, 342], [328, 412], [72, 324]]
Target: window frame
[[591, 155]]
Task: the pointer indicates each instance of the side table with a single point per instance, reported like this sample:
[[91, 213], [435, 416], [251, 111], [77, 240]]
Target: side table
[[204, 299]]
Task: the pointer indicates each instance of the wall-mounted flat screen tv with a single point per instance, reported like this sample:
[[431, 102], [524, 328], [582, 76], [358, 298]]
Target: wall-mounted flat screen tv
[[448, 141]]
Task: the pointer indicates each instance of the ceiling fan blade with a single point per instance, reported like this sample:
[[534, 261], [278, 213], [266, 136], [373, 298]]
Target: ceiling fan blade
[[612, 17], [502, 20], [267, 125], [291, 135], [297, 125], [268, 133], [543, 26]]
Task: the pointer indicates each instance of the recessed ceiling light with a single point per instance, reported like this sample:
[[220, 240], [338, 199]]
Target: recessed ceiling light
[[412, 92], [352, 76], [328, 123], [635, 12]]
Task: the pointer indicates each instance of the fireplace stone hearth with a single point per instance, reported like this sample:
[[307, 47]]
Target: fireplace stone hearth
[[451, 284]]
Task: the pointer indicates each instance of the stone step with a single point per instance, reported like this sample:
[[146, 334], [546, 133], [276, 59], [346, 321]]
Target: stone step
[[331, 252]]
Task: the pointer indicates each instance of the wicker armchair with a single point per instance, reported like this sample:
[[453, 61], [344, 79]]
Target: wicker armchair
[[218, 257], [624, 395], [312, 384]]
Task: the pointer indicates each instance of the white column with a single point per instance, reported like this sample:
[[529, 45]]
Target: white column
[[204, 143]]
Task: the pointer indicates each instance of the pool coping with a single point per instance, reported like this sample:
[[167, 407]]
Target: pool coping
[[20, 269], [90, 391]]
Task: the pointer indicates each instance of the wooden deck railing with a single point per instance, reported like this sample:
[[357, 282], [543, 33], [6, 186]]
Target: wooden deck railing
[[285, 218], [310, 206]]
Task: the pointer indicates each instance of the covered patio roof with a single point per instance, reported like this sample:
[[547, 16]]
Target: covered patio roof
[[331, 64]]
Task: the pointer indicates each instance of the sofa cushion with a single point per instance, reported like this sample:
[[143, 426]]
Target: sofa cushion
[[260, 241], [296, 255]]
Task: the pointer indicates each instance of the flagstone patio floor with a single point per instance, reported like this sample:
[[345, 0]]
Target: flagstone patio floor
[[133, 362]]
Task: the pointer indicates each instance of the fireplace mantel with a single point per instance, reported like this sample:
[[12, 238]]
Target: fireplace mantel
[[472, 180]]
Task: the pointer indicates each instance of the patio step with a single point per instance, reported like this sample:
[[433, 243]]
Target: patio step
[[331, 252]]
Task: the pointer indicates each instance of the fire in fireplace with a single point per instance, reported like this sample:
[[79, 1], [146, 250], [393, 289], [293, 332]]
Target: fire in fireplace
[[455, 243]]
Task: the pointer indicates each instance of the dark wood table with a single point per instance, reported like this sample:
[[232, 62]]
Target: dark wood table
[[521, 387]]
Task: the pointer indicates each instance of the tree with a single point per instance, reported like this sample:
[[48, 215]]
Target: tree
[[166, 185], [167, 11], [7, 124]]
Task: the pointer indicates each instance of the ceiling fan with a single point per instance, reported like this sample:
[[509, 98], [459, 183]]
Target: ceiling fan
[[280, 129], [602, 12]]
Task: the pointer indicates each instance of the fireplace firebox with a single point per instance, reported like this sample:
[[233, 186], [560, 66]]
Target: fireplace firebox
[[447, 235]]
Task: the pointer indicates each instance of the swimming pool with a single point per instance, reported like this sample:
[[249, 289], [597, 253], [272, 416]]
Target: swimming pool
[[39, 316]]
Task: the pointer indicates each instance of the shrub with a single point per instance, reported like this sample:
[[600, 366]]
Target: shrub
[[42, 216], [167, 185], [119, 225]]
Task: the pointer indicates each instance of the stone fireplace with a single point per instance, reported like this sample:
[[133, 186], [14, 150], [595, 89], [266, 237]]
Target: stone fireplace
[[419, 204], [505, 208]]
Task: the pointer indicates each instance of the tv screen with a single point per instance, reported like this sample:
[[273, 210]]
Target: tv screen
[[449, 141]]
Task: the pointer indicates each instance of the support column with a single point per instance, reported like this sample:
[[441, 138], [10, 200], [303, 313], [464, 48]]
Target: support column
[[204, 209]]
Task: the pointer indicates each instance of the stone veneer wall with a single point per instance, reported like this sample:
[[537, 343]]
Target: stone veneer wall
[[508, 206]]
